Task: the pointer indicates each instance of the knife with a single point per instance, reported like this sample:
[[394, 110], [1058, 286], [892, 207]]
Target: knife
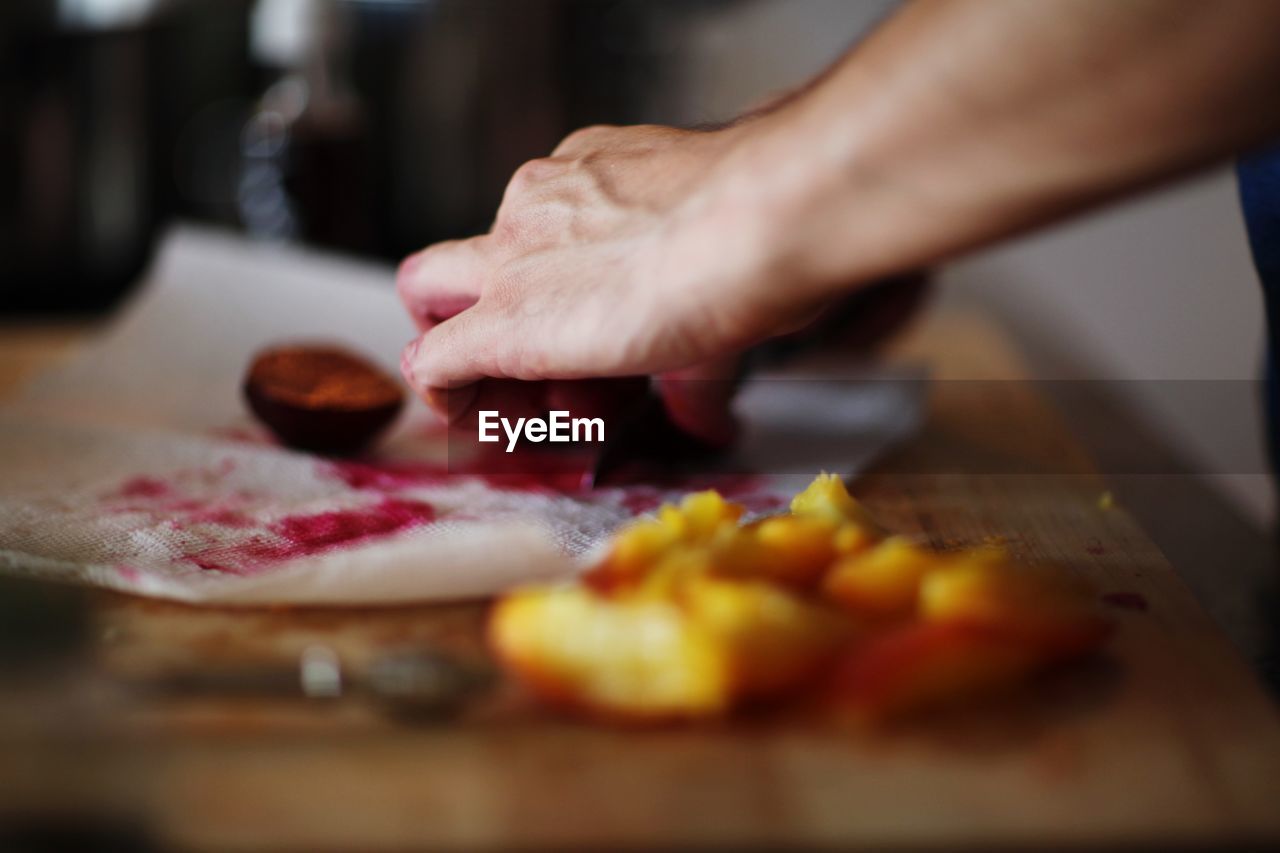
[[645, 443]]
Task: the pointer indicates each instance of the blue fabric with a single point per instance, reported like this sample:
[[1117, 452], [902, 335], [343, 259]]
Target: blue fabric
[[1260, 197]]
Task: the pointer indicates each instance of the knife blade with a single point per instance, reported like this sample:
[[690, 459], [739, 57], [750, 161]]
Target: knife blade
[[645, 444]]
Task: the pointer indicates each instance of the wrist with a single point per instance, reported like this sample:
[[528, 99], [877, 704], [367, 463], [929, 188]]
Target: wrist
[[779, 194], [836, 189], [836, 205], [727, 250]]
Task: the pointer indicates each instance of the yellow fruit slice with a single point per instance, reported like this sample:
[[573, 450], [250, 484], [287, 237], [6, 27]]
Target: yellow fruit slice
[[623, 658]]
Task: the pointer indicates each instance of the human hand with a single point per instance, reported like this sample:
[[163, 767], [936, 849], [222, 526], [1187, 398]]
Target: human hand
[[628, 251]]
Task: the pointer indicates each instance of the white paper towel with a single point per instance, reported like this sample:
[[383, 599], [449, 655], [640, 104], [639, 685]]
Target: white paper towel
[[137, 467]]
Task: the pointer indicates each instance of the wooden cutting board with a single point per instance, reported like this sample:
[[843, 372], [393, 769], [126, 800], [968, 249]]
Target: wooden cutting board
[[1166, 739]]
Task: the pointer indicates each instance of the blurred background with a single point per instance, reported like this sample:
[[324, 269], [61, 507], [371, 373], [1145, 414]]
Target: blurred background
[[375, 127]]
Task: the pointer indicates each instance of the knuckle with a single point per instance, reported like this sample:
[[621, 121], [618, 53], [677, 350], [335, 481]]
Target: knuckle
[[516, 229], [523, 227], [532, 173], [523, 207], [585, 136]]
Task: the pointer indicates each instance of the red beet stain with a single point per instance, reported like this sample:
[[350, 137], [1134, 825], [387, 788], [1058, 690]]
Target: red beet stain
[[1126, 600], [306, 535], [396, 476], [640, 500], [143, 487], [386, 476]]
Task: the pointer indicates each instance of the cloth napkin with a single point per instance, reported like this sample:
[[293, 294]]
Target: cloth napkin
[[136, 466]]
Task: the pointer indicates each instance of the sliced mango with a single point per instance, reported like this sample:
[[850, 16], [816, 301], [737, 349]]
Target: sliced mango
[[624, 659], [883, 581]]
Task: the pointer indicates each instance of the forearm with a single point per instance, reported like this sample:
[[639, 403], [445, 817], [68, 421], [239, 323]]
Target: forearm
[[962, 121], [644, 250]]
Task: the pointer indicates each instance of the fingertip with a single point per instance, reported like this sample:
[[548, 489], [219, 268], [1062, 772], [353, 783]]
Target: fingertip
[[406, 271], [440, 281], [408, 357], [451, 404]]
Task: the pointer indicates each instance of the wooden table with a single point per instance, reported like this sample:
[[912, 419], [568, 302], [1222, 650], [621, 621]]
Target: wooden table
[[1168, 739]]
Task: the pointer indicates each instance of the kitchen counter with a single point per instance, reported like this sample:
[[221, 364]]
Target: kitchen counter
[[1168, 739]]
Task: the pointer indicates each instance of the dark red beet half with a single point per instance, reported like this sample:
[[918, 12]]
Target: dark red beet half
[[320, 397]]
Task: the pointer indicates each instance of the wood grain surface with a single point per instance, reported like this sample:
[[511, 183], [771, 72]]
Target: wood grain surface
[[1166, 739]]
